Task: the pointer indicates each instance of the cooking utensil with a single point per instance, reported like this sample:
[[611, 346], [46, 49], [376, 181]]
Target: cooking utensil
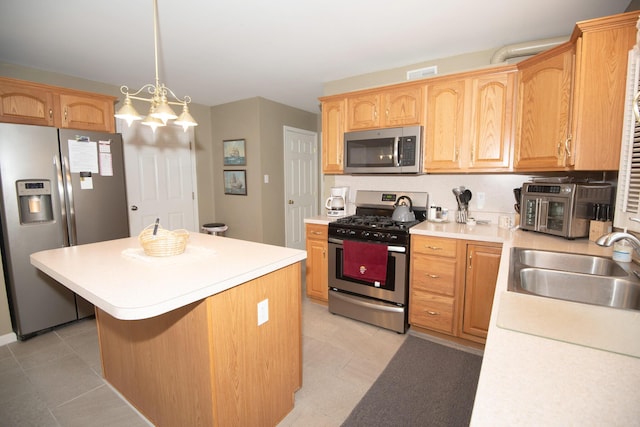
[[402, 212], [466, 197]]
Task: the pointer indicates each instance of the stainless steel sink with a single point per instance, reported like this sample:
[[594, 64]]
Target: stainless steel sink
[[574, 277], [576, 263]]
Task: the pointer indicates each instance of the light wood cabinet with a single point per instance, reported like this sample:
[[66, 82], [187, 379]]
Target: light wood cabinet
[[470, 122], [433, 296], [37, 104], [492, 112], [452, 282], [544, 111], [391, 107], [443, 133], [317, 245], [571, 99], [602, 47], [87, 112], [403, 106], [26, 103], [363, 111], [333, 118], [483, 262]]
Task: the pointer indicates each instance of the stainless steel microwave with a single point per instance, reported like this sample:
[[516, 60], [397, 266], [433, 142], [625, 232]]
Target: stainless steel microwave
[[385, 151], [562, 209]]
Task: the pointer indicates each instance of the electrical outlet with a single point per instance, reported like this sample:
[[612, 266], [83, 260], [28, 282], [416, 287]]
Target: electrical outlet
[[263, 312], [480, 200]]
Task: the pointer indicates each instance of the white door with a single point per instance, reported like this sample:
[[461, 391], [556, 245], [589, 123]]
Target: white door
[[301, 182], [160, 175]]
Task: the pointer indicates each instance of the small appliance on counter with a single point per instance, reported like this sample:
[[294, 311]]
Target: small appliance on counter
[[562, 207], [336, 204]]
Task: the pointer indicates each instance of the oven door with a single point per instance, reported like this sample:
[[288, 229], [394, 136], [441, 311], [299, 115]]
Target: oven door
[[395, 288], [550, 215]]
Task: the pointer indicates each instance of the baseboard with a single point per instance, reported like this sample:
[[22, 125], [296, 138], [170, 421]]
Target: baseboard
[[8, 338]]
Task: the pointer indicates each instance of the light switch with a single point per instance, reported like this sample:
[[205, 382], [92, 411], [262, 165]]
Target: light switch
[[266, 179], [263, 312]]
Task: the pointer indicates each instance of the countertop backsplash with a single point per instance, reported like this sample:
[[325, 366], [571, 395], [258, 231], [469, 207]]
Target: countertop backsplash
[[497, 188]]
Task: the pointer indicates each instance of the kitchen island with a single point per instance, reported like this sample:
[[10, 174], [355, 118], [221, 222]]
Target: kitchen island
[[208, 337]]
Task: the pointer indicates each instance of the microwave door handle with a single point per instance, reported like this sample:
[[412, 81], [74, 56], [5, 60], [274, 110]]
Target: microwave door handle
[[396, 153], [543, 214]]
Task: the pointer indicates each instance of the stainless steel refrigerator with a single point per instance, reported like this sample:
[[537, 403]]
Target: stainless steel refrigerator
[[59, 187]]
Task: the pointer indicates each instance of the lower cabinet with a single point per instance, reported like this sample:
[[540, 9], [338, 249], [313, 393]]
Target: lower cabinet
[[483, 262], [317, 273], [452, 282]]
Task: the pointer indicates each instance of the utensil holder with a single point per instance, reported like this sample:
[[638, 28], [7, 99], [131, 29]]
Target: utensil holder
[[462, 215]]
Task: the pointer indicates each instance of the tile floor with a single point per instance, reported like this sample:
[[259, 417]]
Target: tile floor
[[55, 379]]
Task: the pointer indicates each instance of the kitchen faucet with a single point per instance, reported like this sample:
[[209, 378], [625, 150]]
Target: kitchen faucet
[[609, 239]]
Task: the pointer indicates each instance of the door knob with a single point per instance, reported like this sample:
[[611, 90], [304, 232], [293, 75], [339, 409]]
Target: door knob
[[134, 208]]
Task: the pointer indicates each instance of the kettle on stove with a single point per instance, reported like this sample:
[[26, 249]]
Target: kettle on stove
[[402, 212]]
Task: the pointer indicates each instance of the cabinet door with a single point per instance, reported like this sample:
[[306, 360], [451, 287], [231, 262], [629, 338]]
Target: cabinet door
[[601, 71], [403, 107], [317, 273], [482, 272], [491, 111], [544, 111], [26, 105], [88, 113], [445, 125], [363, 111], [333, 136]]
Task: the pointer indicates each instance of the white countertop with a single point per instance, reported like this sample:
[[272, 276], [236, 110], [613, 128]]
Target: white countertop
[[321, 219], [117, 277], [542, 364]]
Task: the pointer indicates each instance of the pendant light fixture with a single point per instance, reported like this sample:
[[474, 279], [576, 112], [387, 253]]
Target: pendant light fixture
[[160, 111]]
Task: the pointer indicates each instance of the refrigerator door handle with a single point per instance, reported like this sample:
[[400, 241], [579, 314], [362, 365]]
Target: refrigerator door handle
[[71, 215], [63, 202]]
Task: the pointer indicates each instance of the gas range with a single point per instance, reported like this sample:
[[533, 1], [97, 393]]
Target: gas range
[[373, 219], [372, 228]]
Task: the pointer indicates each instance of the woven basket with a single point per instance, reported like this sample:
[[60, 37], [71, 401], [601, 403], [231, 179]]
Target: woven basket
[[164, 243]]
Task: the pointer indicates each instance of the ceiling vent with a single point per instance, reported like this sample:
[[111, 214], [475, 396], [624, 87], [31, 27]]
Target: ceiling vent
[[421, 73]]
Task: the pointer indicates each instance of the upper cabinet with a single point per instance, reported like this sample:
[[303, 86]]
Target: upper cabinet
[[571, 99], [544, 110], [602, 49], [392, 107], [37, 104], [559, 110], [333, 113], [443, 133], [87, 112], [469, 123]]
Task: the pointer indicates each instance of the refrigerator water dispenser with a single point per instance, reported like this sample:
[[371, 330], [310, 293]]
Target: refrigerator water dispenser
[[34, 199]]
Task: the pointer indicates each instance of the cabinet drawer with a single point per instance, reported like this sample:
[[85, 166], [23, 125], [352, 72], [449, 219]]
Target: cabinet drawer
[[431, 311], [437, 246], [434, 274], [317, 231]]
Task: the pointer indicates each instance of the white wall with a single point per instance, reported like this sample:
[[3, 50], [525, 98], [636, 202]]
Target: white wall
[[498, 189]]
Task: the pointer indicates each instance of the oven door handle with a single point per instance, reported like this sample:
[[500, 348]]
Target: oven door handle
[[398, 249], [355, 300]]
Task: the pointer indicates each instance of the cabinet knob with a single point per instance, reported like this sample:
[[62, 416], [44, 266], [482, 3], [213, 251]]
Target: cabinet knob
[[432, 313], [290, 202], [433, 276], [134, 208], [433, 248]]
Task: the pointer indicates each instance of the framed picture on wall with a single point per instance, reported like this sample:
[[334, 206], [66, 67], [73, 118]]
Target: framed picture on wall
[[234, 152], [235, 182]]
